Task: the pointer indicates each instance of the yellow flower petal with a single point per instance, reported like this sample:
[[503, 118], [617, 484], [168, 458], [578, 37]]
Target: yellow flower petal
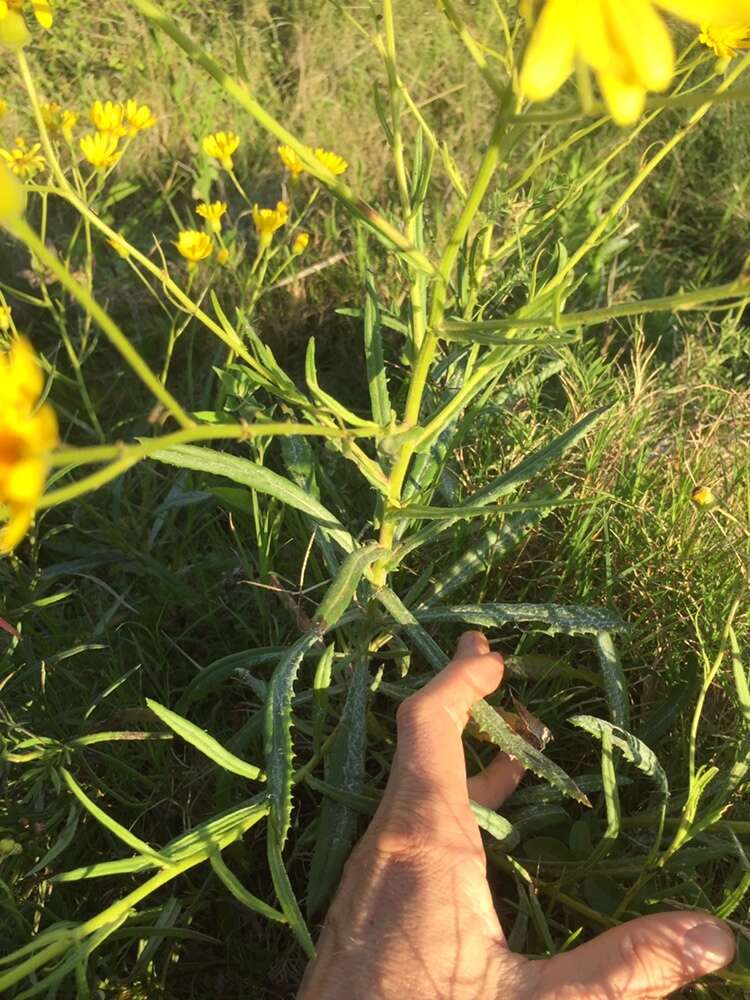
[[16, 527], [13, 31], [24, 483], [624, 100], [550, 54], [43, 13], [644, 41], [709, 11]]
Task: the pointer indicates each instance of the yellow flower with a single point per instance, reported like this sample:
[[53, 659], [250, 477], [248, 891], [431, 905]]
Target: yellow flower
[[100, 149], [702, 496], [194, 246], [58, 120], [221, 145], [25, 161], [120, 247], [5, 318], [223, 256], [335, 163], [137, 117], [624, 42], [27, 436], [300, 243], [3, 108], [13, 31], [42, 10], [725, 40], [290, 160], [107, 117], [268, 220], [212, 213], [12, 197]]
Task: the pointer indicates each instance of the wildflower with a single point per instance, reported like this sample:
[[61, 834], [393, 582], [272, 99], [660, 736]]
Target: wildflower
[[725, 40], [268, 220], [212, 213], [3, 108], [702, 496], [626, 45], [120, 247], [27, 436], [290, 160], [221, 146], [58, 120], [13, 31], [107, 117], [5, 317], [12, 197], [25, 161], [137, 117], [194, 246], [223, 256], [335, 163], [300, 243], [42, 10], [100, 149]]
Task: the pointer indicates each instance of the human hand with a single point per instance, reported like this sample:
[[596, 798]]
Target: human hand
[[414, 918]]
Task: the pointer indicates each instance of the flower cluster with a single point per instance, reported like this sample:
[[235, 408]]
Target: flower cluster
[[625, 43], [28, 433], [113, 121], [330, 160], [23, 160]]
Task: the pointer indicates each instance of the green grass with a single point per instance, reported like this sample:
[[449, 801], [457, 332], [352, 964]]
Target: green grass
[[131, 592]]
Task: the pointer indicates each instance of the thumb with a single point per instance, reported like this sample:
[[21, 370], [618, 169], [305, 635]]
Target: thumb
[[646, 958]]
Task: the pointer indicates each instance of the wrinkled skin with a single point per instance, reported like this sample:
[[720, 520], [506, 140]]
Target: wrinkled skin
[[413, 918]]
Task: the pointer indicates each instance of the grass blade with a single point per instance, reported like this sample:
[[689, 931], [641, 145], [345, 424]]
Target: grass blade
[[380, 400], [204, 743], [240, 893]]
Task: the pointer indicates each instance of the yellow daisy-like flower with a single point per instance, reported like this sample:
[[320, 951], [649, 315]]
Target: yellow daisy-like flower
[[290, 160], [12, 197], [624, 42], [212, 213], [108, 117], [300, 243], [221, 146], [703, 496], [268, 220], [3, 108], [194, 246], [100, 149], [27, 436], [58, 120], [137, 117], [335, 163], [25, 161], [725, 40]]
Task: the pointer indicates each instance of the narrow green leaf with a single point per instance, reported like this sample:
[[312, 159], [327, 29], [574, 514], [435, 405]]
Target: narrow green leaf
[[482, 713], [240, 893], [111, 824], [363, 802], [740, 678], [340, 593], [285, 893], [558, 618], [497, 826], [615, 684], [206, 744], [324, 398], [278, 736], [611, 801], [257, 477], [380, 400], [346, 770], [417, 513], [217, 672], [634, 750], [321, 683]]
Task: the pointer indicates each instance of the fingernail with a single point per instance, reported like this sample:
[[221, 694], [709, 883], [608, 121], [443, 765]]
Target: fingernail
[[472, 644], [709, 945]]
